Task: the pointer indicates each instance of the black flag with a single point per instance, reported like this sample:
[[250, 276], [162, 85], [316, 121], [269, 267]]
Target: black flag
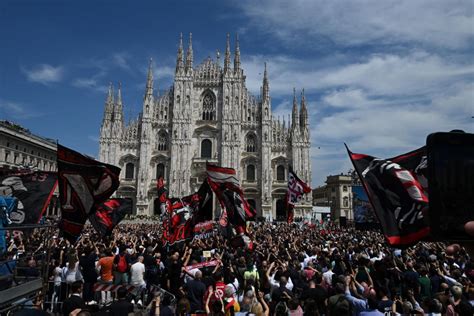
[[33, 189], [83, 184], [397, 190], [224, 183], [200, 203], [108, 214]]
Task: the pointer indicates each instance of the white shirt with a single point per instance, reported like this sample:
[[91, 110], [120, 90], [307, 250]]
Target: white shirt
[[71, 275], [307, 259], [188, 277], [235, 286], [57, 275], [327, 276], [289, 284], [137, 271]]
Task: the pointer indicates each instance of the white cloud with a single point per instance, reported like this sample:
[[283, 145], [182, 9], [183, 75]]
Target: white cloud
[[163, 72], [121, 60], [44, 74], [390, 127], [382, 105], [89, 83], [284, 73], [14, 110], [102, 67], [445, 24], [415, 73]]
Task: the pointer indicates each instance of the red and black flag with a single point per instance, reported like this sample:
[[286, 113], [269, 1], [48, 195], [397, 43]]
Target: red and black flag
[[224, 183], [108, 214], [200, 203], [83, 184], [397, 190], [176, 215], [33, 189], [296, 189], [225, 228], [179, 225]]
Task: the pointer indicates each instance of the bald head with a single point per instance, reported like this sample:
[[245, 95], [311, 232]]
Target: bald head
[[456, 291]]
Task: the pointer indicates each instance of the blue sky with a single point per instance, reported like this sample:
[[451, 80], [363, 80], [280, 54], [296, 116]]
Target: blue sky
[[378, 75]]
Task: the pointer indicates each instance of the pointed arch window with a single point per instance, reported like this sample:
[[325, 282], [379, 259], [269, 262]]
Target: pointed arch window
[[206, 149], [250, 173], [208, 107], [160, 170], [280, 173], [251, 143], [129, 171], [162, 144]]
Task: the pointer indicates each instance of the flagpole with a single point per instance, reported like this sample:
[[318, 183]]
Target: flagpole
[[363, 183]]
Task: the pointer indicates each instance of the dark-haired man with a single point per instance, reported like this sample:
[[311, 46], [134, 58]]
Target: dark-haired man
[[74, 301], [121, 307]]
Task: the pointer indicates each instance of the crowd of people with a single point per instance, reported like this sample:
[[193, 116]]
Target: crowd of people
[[293, 269]]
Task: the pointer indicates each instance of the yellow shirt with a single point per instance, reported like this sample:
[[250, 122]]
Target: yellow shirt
[[229, 302]]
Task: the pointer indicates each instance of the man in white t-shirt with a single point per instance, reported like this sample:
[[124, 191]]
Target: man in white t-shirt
[[327, 276], [137, 278], [189, 274]]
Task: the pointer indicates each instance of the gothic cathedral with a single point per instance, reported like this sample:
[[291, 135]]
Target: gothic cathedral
[[208, 115]]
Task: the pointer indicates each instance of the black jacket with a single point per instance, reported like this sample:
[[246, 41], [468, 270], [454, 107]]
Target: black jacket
[[72, 303], [121, 308]]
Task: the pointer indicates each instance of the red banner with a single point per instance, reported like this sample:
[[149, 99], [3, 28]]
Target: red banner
[[211, 263]]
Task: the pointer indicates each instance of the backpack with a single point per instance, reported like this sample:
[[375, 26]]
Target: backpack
[[122, 264], [342, 306]]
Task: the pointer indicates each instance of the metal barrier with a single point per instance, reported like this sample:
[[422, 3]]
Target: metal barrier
[[111, 288], [153, 288], [55, 296]]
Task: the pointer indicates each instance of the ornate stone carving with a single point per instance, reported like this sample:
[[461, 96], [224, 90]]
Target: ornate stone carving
[[203, 99]]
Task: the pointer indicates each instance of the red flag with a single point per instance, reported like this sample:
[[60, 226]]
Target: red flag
[[296, 189], [109, 214], [176, 215]]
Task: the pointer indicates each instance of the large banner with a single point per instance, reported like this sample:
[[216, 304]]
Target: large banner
[[84, 183], [397, 190], [33, 189], [204, 230], [363, 212]]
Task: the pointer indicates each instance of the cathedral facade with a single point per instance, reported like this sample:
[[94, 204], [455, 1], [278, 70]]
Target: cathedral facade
[[208, 115]]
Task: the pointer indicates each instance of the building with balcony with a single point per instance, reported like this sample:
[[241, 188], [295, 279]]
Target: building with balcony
[[337, 195]]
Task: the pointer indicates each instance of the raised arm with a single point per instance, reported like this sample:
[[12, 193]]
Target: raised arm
[[261, 299], [206, 306]]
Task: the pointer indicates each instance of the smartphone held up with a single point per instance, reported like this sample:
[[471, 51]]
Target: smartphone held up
[[450, 159]]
